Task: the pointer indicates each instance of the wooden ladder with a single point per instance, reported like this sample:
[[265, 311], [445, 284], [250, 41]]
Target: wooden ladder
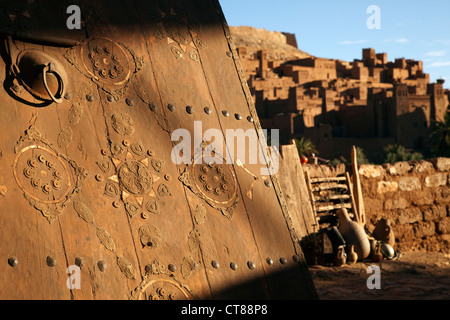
[[329, 194]]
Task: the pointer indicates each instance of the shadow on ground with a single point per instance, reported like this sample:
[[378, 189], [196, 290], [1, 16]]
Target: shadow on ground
[[415, 276]]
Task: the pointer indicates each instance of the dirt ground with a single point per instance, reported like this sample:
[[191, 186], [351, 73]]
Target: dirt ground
[[414, 276]]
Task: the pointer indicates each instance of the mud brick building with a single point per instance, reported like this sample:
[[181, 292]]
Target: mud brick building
[[334, 102]]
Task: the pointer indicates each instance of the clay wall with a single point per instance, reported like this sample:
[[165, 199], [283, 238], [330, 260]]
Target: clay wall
[[360, 73], [286, 123], [417, 86], [397, 74], [368, 53], [375, 74], [400, 63], [357, 119], [382, 58], [344, 69], [356, 93], [414, 196], [318, 68], [291, 39], [440, 102]]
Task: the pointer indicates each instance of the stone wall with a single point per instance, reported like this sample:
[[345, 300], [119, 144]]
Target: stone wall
[[414, 196]]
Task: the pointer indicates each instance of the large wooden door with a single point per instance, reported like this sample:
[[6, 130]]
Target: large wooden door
[[88, 176]]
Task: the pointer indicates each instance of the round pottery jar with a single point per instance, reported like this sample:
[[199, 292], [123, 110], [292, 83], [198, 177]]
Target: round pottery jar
[[352, 256], [353, 234]]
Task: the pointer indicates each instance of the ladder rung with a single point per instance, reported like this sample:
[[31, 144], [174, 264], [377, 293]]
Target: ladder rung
[[328, 214], [331, 186], [317, 180], [337, 206], [332, 197]]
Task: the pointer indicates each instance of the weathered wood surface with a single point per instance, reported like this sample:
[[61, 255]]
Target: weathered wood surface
[[328, 179], [295, 189], [354, 210], [334, 207], [117, 205], [357, 190]]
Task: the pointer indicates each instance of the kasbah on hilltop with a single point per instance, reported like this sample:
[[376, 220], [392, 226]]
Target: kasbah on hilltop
[[372, 101]]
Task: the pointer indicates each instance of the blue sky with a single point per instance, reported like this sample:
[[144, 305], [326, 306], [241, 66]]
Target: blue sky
[[337, 29]]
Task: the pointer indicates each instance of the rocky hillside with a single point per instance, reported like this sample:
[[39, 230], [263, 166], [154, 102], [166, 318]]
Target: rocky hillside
[[276, 43]]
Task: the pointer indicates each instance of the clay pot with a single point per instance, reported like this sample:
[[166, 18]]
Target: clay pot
[[341, 257], [377, 255], [373, 244], [303, 159], [352, 256], [383, 232], [353, 234]]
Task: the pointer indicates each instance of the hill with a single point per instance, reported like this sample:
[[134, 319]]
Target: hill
[[279, 46]]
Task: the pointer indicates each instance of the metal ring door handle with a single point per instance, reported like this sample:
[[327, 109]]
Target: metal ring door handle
[[41, 75], [51, 69]]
